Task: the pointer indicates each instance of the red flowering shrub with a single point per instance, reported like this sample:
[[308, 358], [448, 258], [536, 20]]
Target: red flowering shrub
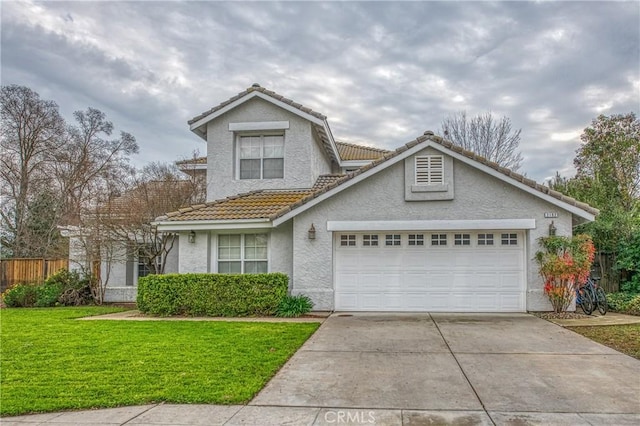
[[565, 263]]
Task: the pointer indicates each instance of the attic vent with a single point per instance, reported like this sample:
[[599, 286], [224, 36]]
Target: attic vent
[[430, 170]]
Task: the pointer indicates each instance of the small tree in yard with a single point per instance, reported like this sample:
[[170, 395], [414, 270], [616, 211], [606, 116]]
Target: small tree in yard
[[565, 263]]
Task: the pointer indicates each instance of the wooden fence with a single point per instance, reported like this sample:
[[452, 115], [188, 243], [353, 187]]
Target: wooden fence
[[13, 271]]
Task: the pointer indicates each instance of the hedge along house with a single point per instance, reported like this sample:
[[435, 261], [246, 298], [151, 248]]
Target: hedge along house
[[427, 227]]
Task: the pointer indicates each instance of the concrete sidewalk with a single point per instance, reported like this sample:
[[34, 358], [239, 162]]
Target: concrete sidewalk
[[231, 415], [135, 315]]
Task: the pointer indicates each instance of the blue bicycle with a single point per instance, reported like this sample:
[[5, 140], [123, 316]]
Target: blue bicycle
[[591, 296]]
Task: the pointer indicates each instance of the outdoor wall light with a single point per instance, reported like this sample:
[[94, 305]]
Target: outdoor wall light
[[312, 232], [192, 237], [552, 229]]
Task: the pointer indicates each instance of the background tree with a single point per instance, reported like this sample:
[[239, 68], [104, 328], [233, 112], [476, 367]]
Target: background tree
[[492, 138], [89, 166], [31, 129], [608, 178]]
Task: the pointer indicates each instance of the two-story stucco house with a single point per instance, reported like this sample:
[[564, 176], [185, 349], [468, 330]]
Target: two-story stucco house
[[427, 227]]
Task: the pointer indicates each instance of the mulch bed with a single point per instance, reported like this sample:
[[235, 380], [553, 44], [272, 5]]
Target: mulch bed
[[561, 315]]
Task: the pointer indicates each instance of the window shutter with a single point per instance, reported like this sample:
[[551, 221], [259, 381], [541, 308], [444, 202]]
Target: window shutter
[[430, 170]]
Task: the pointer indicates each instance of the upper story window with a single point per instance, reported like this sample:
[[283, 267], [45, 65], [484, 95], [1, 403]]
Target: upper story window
[[429, 170], [261, 156]]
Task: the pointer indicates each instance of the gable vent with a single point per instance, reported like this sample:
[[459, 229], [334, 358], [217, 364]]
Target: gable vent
[[430, 170]]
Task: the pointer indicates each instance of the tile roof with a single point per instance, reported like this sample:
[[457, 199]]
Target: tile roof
[[274, 204], [264, 204], [349, 151], [257, 88], [325, 180]]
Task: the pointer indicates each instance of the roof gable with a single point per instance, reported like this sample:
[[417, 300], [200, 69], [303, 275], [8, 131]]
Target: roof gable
[[319, 121], [572, 205]]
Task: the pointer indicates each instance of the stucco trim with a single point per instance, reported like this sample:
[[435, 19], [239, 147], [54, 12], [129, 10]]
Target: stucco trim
[[259, 125], [428, 225], [201, 225]]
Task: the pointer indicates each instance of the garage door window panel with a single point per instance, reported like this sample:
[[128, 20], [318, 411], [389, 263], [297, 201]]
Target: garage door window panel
[[509, 239], [416, 239], [392, 240], [438, 239], [370, 240], [462, 239], [347, 240], [485, 239]]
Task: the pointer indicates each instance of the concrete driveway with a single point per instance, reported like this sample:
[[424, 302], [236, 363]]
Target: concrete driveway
[[456, 368]]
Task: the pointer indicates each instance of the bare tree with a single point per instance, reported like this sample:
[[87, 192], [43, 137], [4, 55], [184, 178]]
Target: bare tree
[[90, 166], [492, 138], [32, 129], [160, 188]]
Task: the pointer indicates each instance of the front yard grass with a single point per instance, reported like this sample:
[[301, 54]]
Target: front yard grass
[[49, 361], [623, 338]]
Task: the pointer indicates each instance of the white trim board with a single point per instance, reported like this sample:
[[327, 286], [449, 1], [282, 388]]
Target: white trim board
[[259, 125], [430, 225], [209, 225]]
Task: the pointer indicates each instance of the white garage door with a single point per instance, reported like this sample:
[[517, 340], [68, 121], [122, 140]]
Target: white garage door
[[461, 271]]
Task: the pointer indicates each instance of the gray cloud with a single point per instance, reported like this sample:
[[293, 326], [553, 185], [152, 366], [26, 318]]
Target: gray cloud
[[382, 72]]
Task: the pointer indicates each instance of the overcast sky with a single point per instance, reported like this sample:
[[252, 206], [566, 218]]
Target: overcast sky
[[382, 73]]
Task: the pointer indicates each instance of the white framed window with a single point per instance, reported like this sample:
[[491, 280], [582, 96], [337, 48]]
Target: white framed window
[[429, 170], [509, 239], [348, 240], [242, 254], [392, 240], [485, 239], [260, 156], [370, 240], [438, 239], [462, 239], [416, 239]]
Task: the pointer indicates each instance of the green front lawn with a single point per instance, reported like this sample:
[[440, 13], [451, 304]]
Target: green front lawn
[[623, 338], [51, 362]]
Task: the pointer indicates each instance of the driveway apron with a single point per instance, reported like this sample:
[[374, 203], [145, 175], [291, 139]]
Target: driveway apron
[[510, 366]]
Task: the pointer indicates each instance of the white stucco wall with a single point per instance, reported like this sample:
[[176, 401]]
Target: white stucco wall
[[194, 257], [281, 250], [77, 255], [382, 197], [301, 165], [171, 266]]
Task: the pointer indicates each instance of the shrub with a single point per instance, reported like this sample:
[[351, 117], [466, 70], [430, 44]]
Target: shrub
[[619, 301], [564, 264], [212, 294], [20, 296], [624, 302], [64, 287], [47, 294], [633, 307], [294, 306], [628, 259], [75, 289]]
